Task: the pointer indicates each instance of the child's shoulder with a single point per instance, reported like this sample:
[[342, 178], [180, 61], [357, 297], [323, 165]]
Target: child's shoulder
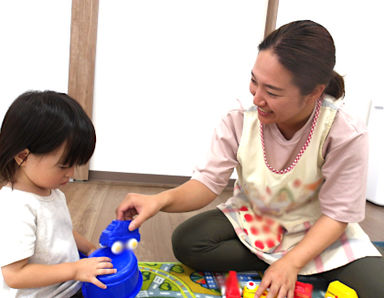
[[7, 192], [15, 197]]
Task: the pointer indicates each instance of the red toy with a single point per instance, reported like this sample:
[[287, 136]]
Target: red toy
[[232, 287], [303, 290]]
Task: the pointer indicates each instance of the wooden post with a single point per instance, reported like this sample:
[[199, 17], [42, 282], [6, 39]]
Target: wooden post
[[270, 22], [82, 59]]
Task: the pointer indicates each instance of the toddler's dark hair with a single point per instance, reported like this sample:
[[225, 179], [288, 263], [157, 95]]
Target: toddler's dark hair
[[42, 121]]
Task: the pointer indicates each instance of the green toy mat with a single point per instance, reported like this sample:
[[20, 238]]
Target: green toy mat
[[177, 280], [172, 279]]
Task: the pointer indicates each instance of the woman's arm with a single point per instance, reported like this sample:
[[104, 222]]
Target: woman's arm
[[83, 244], [191, 195], [23, 274], [208, 180], [281, 276]]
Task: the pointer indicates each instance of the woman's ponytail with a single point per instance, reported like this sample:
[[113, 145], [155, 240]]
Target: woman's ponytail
[[335, 86]]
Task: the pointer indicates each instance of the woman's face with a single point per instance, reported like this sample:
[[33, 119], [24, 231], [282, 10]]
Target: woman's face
[[277, 98]]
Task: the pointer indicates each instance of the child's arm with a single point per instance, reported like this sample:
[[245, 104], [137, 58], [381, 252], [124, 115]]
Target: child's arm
[[83, 244], [23, 274]]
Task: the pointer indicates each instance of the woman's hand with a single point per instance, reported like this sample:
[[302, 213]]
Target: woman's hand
[[138, 208], [191, 195], [280, 279], [281, 276], [87, 270]]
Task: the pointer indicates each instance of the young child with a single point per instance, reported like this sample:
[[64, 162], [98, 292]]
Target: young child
[[43, 137]]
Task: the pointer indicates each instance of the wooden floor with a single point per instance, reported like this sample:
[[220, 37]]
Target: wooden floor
[[92, 206]]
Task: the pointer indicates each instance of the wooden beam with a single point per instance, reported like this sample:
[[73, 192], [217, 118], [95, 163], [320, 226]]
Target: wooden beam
[[270, 22], [82, 59]]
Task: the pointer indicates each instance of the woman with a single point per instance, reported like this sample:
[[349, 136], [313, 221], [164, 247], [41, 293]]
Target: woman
[[301, 162]]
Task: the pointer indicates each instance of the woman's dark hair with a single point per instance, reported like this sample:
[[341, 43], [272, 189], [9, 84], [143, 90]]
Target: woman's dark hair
[[307, 50], [42, 122]]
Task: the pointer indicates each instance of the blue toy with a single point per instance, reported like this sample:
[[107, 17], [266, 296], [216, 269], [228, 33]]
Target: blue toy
[[127, 281], [117, 236]]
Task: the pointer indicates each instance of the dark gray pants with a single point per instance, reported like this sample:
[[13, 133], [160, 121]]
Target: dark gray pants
[[208, 242]]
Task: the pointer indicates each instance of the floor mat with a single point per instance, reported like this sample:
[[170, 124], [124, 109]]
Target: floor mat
[[177, 280]]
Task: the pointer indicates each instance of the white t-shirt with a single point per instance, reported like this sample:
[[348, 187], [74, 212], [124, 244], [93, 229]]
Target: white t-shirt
[[38, 228]]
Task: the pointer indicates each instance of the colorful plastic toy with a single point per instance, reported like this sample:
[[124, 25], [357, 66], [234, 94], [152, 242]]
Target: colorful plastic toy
[[303, 290], [337, 289], [117, 236], [232, 288], [250, 290], [127, 281]]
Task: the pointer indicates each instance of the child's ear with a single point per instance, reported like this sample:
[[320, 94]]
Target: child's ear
[[22, 156]]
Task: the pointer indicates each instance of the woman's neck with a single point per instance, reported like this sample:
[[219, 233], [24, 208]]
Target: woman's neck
[[289, 130]]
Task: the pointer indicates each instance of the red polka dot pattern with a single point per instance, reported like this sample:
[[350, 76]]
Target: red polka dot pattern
[[248, 217], [263, 232], [254, 231], [259, 244]]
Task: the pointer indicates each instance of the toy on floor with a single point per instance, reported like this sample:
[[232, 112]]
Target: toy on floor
[[117, 236], [302, 290], [337, 289], [250, 289], [127, 281], [232, 288]]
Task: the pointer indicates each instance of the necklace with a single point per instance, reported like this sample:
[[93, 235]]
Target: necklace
[[302, 150]]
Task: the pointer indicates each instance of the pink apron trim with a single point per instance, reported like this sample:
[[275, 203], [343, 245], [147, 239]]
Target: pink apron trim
[[347, 247]]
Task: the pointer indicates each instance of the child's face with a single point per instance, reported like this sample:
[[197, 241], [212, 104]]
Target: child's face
[[41, 173]]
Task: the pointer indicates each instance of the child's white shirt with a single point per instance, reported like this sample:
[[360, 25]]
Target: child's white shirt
[[38, 228]]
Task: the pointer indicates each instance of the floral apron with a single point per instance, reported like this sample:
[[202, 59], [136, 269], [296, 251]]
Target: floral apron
[[271, 211]]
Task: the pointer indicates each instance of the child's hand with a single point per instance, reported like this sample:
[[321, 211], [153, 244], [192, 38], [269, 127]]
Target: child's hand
[[87, 269]]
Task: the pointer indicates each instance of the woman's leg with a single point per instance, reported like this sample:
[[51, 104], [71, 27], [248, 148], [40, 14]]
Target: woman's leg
[[208, 242], [364, 275]]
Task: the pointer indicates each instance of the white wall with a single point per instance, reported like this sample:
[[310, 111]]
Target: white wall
[[34, 51], [356, 27], [166, 72]]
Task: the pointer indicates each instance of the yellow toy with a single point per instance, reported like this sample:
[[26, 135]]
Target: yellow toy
[[250, 290], [337, 289]]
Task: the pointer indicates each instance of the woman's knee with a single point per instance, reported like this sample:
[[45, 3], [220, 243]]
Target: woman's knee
[[363, 275], [187, 242], [180, 243], [194, 237]]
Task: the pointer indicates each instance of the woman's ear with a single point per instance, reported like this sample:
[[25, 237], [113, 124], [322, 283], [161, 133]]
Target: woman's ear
[[318, 91], [22, 156], [315, 94]]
